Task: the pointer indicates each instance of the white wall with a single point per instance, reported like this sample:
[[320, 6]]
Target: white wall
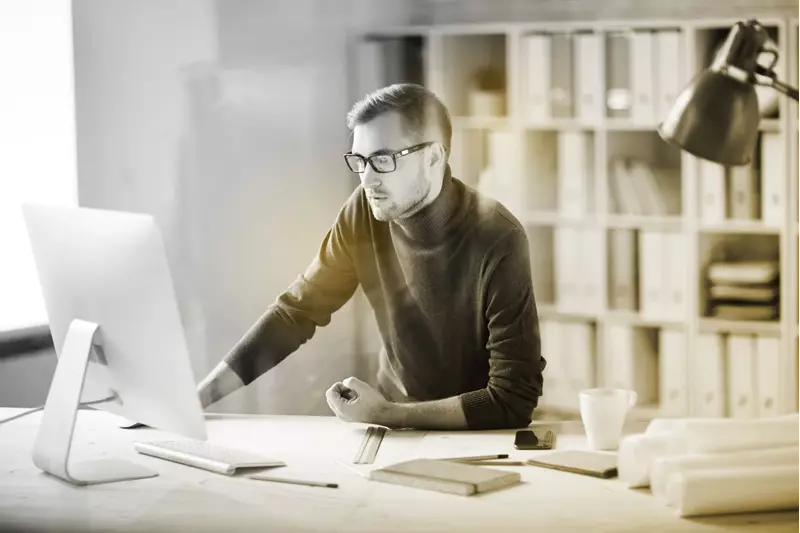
[[227, 121], [37, 141]]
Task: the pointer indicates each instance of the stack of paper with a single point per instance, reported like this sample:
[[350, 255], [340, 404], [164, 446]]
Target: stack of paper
[[744, 290]]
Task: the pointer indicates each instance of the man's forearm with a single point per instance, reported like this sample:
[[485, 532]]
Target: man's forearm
[[219, 383], [441, 414]]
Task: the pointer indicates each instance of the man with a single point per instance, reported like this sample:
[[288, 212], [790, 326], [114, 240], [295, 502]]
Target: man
[[446, 272]]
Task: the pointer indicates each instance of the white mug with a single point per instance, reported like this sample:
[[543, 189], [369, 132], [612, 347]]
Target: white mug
[[603, 412]]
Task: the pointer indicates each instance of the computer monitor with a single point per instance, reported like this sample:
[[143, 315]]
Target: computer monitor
[[116, 327]]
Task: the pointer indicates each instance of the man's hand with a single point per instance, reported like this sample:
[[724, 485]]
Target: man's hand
[[355, 401]]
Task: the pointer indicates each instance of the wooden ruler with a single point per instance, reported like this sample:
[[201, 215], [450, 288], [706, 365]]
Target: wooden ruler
[[369, 446]]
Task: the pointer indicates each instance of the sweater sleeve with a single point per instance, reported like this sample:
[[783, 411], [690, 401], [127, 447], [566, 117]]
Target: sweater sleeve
[[514, 343], [308, 303]]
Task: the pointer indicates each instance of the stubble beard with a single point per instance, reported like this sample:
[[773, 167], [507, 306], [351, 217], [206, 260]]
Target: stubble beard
[[394, 210]]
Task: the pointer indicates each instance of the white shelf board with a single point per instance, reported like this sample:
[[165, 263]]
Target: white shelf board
[[561, 124], [478, 122], [554, 218], [622, 124], [772, 125], [756, 327], [755, 227], [634, 318], [645, 222], [552, 311]]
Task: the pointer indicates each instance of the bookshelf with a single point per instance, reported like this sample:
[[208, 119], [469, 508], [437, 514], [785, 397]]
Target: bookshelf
[[589, 233]]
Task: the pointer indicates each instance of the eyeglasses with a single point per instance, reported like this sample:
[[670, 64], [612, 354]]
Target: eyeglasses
[[382, 163]]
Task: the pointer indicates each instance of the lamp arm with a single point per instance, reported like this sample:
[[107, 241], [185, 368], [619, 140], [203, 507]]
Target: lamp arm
[[785, 88], [774, 82]]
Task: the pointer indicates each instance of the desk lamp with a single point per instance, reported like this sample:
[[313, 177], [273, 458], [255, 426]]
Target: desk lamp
[[716, 116]]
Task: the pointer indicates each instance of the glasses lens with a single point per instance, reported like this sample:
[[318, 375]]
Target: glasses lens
[[355, 162], [383, 163]]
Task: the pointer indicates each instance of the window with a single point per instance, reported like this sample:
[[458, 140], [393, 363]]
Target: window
[[38, 161]]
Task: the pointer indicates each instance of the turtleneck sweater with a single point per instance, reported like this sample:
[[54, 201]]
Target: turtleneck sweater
[[450, 288]]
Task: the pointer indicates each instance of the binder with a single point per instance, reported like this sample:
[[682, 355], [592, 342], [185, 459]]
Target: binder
[[575, 172], [768, 375], [621, 181], [674, 268], [541, 174], [669, 70], [774, 179], [672, 373], [651, 273], [623, 272], [743, 197], [542, 263], [594, 286], [618, 82], [537, 77], [631, 361], [741, 376], [467, 158], [642, 72], [567, 279], [708, 391], [561, 76], [556, 380], [617, 354], [580, 344], [587, 74], [711, 177], [643, 183]]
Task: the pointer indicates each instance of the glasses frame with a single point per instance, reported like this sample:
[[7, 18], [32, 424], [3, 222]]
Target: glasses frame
[[393, 155]]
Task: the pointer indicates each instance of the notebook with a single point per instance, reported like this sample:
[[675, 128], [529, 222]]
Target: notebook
[[445, 476], [596, 464]]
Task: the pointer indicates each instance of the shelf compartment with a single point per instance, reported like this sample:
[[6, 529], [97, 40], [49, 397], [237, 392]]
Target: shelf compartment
[[739, 277]]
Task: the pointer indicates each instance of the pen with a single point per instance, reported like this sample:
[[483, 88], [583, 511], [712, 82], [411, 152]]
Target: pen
[[296, 482], [496, 463], [475, 458]]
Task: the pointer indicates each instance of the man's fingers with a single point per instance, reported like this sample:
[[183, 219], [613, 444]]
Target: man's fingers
[[355, 384], [335, 400]]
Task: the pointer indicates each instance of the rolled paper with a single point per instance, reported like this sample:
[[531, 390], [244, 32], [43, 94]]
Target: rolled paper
[[664, 468], [734, 490]]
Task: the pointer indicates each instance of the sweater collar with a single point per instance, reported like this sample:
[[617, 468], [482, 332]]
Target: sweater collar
[[433, 221]]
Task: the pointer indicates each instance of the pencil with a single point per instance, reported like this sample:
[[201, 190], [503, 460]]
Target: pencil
[[296, 482], [475, 458]]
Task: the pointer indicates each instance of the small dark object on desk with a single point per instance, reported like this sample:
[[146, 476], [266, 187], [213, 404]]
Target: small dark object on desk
[[526, 439], [132, 425]]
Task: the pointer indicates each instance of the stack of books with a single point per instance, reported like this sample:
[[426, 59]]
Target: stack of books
[[744, 290]]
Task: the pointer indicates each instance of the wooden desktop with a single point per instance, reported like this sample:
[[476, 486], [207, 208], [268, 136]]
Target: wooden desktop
[[322, 449]]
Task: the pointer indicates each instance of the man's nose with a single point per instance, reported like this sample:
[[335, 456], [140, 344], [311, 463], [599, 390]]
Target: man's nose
[[369, 178]]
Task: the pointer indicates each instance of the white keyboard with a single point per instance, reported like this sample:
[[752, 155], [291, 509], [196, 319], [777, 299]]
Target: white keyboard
[[203, 455]]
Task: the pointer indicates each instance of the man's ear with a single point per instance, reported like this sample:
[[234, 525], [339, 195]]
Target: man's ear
[[437, 154]]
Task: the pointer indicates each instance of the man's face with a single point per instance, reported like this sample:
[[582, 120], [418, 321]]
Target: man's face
[[395, 194]]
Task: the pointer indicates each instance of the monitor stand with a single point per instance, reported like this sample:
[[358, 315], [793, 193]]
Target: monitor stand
[[54, 439]]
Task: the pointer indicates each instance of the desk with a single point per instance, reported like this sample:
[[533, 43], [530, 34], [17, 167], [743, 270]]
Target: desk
[[188, 499]]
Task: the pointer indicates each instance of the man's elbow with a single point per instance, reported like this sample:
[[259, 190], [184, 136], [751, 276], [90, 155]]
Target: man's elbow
[[513, 411]]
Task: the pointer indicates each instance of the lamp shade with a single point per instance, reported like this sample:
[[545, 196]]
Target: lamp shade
[[716, 118]]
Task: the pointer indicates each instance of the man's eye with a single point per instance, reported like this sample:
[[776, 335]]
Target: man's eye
[[383, 159]]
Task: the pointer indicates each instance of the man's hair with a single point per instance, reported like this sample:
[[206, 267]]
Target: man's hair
[[418, 106]]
